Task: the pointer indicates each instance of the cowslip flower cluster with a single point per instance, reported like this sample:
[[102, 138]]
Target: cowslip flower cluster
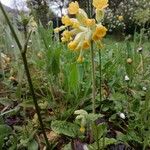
[[80, 31]]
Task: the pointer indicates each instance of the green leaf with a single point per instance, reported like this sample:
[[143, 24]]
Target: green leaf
[[4, 131], [107, 142], [66, 128], [73, 78], [92, 117], [67, 147], [56, 62], [32, 145], [99, 131]]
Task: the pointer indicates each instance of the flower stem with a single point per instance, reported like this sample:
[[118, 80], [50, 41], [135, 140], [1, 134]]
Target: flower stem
[[23, 54], [100, 75], [93, 78]]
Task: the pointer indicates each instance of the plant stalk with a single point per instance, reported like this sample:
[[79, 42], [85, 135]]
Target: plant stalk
[[93, 78], [100, 74], [23, 54]]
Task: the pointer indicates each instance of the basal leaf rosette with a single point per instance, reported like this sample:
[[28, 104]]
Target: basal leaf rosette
[[80, 31]]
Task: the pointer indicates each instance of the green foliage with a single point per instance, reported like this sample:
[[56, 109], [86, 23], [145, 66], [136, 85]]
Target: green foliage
[[107, 141], [65, 128], [63, 86], [5, 131]]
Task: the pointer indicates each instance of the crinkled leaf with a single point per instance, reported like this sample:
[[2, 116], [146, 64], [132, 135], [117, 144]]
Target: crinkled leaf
[[32, 145], [107, 142], [66, 128], [4, 131]]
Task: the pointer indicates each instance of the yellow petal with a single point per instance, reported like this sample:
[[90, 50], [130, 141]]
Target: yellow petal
[[82, 129], [90, 22], [120, 18], [86, 44], [80, 60], [73, 8], [72, 45], [100, 4], [66, 20], [99, 33]]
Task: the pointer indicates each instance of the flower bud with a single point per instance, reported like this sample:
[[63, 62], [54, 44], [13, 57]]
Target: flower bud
[[127, 78], [129, 60], [122, 116]]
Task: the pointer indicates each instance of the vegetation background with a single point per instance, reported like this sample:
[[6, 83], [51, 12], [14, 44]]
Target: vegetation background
[[63, 87]]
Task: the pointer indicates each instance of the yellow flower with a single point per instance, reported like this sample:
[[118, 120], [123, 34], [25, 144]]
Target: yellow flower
[[66, 20], [80, 60], [75, 24], [99, 33], [82, 129], [56, 30], [100, 4], [90, 22], [72, 45], [73, 8], [66, 36], [86, 44], [120, 18]]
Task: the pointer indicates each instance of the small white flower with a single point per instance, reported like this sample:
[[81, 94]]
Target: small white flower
[[85, 147], [12, 46], [126, 78], [122, 115], [144, 88], [140, 49], [30, 41]]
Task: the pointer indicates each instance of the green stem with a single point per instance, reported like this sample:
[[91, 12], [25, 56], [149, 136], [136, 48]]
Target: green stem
[[23, 54], [34, 97], [93, 78], [100, 75]]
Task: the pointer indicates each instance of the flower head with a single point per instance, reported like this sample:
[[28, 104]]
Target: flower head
[[72, 45], [126, 78], [90, 22], [73, 8], [82, 129], [100, 4], [122, 116], [81, 30], [86, 44], [80, 59], [66, 20], [120, 18], [99, 33], [66, 36]]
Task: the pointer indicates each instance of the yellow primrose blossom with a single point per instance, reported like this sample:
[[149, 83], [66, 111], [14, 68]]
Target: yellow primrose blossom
[[80, 60], [82, 129], [66, 36], [66, 20], [76, 24], [81, 30], [120, 18], [90, 22], [100, 4], [73, 8], [99, 33], [72, 45], [57, 30], [86, 44]]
